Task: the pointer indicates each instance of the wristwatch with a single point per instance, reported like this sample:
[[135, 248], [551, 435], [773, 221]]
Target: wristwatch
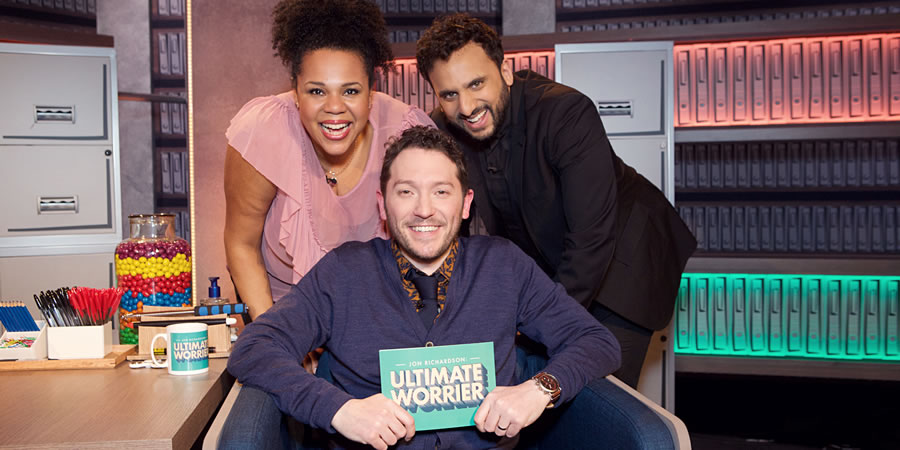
[[549, 384]]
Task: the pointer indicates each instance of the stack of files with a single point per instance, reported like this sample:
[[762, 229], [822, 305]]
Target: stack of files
[[170, 52], [392, 7], [781, 81], [838, 228], [793, 316], [707, 14], [171, 7], [174, 173], [862, 163]]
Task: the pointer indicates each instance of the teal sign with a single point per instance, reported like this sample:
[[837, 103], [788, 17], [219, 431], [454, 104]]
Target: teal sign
[[441, 387]]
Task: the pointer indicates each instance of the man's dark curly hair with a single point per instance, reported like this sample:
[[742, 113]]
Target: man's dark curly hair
[[448, 34], [301, 26], [426, 138]]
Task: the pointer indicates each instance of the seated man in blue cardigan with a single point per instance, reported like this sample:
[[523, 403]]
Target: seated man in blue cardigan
[[365, 297]]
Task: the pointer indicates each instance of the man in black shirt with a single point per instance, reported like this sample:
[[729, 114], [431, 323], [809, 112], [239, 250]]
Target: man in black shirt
[[545, 177]]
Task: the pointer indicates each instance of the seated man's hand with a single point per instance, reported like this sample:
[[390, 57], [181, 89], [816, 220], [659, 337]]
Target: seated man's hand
[[375, 420], [508, 409]]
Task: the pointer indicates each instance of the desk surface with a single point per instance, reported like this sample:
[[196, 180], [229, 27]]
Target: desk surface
[[111, 408]]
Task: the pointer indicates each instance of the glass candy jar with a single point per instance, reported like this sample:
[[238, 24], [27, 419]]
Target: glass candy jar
[[154, 268]]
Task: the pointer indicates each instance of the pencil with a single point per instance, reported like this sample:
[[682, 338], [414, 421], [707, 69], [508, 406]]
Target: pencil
[[5, 318], [25, 319], [14, 317], [30, 319]]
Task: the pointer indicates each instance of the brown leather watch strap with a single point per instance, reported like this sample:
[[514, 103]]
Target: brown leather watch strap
[[549, 384]]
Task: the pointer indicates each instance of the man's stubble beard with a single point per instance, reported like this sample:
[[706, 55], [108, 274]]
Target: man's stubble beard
[[406, 248], [498, 115]]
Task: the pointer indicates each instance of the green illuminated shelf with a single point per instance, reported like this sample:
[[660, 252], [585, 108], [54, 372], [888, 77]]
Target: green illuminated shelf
[[790, 316]]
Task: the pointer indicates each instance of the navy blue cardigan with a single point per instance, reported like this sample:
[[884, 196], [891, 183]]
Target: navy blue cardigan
[[353, 304]]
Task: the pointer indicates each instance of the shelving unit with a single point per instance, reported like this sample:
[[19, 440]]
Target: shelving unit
[[69, 12], [168, 52], [812, 193], [812, 139], [52, 22], [638, 15]]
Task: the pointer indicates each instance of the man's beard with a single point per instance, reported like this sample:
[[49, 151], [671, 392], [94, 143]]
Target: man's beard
[[498, 114], [405, 246]]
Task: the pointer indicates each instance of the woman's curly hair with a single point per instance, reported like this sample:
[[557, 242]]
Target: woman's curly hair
[[301, 26]]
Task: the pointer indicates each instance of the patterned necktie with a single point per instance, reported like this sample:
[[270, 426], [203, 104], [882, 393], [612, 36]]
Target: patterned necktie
[[427, 286]]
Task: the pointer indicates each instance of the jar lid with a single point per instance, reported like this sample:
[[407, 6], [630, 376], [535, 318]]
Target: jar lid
[[145, 216]]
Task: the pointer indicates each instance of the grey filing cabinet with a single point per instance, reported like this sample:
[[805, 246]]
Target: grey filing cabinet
[[59, 168], [631, 84]]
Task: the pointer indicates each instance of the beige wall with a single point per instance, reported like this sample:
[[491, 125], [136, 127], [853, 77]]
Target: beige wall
[[233, 62]]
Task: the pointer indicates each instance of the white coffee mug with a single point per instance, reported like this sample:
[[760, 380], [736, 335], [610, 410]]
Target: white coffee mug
[[187, 348]]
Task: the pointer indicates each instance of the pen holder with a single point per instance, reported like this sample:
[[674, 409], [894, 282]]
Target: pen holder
[[86, 342], [37, 349]]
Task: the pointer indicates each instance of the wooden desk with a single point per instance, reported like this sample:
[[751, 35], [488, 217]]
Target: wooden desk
[[109, 408]]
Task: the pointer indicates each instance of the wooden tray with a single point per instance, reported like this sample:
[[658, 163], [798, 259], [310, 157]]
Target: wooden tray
[[111, 360]]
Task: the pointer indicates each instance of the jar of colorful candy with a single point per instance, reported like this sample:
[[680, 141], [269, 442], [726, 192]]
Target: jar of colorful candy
[[154, 268]]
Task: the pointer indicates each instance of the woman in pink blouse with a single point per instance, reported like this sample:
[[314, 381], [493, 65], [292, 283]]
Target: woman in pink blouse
[[302, 167]]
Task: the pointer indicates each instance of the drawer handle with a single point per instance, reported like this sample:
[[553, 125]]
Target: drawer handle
[[54, 114], [614, 108], [49, 205]]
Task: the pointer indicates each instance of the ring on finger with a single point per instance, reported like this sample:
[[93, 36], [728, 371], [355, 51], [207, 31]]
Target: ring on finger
[[502, 428]]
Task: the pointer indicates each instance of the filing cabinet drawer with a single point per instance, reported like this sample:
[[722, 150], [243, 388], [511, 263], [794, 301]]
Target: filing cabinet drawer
[[627, 87], [50, 190], [40, 105], [645, 154]]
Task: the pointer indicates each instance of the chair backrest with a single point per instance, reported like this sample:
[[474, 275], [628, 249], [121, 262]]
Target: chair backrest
[[677, 429]]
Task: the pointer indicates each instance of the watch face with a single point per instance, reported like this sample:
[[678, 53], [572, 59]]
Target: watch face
[[548, 382]]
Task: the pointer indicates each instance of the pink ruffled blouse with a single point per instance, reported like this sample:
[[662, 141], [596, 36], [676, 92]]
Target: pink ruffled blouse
[[306, 218]]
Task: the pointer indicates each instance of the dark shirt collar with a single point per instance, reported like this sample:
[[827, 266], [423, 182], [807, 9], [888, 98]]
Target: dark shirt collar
[[444, 271]]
